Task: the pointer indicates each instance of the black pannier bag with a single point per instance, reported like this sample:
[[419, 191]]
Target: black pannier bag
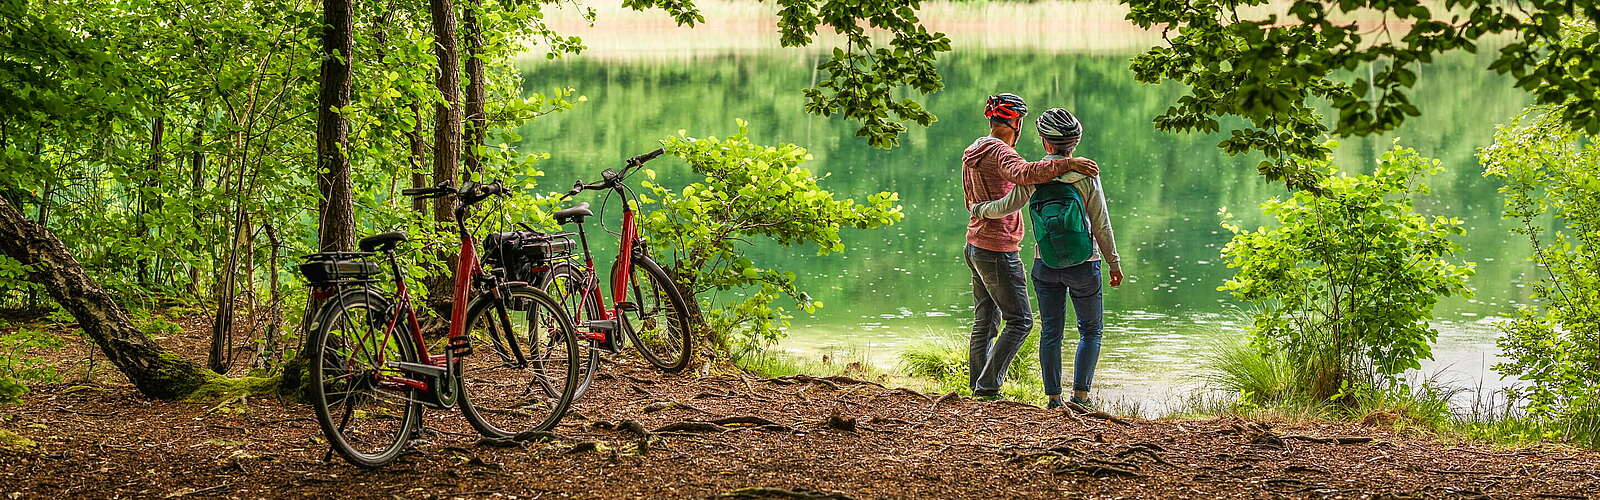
[[332, 268], [524, 255]]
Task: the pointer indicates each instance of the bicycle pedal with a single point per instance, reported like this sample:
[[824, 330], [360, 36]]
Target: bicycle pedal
[[601, 325], [460, 346]]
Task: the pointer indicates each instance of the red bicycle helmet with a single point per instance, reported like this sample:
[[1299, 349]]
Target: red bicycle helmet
[[1005, 106]]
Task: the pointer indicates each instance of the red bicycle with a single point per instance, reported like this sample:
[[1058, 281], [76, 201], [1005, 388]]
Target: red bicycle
[[647, 307], [510, 360]]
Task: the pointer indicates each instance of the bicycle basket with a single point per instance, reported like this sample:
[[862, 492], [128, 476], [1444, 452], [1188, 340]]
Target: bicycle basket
[[331, 268]]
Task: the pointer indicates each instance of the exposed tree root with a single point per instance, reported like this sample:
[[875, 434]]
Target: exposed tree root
[[802, 379], [1331, 440], [835, 421], [913, 393], [690, 427], [783, 494], [752, 421], [948, 396], [584, 447], [1075, 407], [669, 405], [624, 425]]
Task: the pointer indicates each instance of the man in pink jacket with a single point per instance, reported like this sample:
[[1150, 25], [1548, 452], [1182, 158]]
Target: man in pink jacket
[[990, 169]]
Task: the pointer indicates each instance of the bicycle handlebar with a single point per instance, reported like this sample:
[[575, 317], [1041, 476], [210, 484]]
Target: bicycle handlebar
[[443, 189], [470, 194], [641, 159], [611, 178]]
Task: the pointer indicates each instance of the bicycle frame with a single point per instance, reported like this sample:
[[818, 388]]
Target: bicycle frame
[[621, 272]]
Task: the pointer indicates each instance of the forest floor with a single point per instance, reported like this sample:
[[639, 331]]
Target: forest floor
[[105, 440]]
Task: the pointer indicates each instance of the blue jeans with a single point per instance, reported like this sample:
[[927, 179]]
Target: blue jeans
[[999, 290], [1053, 285]]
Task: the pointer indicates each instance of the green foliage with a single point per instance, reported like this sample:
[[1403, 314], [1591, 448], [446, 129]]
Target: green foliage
[[20, 367], [749, 191], [943, 361], [1269, 66], [1550, 174], [1348, 279], [1258, 377]]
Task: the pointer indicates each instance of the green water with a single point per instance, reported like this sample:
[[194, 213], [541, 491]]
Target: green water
[[908, 284]]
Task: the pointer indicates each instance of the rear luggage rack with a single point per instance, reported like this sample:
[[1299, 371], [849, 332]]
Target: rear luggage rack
[[338, 268]]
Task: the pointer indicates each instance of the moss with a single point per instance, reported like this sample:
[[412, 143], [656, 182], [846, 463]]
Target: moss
[[173, 377], [219, 387], [13, 441]]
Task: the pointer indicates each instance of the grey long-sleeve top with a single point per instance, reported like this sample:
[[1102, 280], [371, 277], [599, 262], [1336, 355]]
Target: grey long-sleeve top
[[1094, 205]]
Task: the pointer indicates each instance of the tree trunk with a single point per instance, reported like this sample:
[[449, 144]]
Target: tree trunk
[[476, 118], [447, 112], [336, 225], [148, 182], [197, 184], [336, 222], [268, 355], [156, 372], [446, 141], [419, 151]]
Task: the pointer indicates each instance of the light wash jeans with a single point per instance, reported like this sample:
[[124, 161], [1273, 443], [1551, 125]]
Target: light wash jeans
[[1053, 285], [999, 290]]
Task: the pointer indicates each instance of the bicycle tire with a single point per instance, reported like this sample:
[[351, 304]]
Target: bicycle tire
[[558, 284], [330, 366], [545, 354], [678, 338]]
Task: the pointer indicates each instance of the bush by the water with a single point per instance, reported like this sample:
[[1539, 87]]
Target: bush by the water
[[1551, 187], [750, 192], [1346, 281]]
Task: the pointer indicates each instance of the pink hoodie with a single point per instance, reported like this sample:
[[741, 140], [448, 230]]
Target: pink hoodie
[[990, 169]]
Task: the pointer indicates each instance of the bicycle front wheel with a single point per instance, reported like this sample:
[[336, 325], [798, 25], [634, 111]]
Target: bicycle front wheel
[[659, 322], [366, 415], [523, 370]]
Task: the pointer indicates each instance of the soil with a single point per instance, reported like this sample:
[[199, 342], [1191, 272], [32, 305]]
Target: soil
[[797, 437]]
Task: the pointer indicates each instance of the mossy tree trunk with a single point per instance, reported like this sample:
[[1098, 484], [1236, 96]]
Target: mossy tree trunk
[[155, 371]]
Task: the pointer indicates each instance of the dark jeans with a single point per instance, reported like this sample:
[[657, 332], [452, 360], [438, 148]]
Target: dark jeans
[[1053, 285], [999, 290]]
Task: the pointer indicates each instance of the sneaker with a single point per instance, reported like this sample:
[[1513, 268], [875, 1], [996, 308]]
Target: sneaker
[[1081, 402], [989, 397], [1053, 404]]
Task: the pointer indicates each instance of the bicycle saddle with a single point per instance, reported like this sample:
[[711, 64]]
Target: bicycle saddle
[[576, 213], [382, 242]]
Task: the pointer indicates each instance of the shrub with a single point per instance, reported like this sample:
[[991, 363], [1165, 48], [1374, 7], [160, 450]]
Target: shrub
[[1259, 378], [1549, 174], [749, 192], [1347, 280], [19, 368], [943, 361]]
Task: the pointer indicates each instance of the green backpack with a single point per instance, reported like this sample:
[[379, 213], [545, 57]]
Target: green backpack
[[1060, 225]]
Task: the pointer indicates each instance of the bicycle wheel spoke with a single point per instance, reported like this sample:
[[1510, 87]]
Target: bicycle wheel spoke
[[368, 424], [506, 396]]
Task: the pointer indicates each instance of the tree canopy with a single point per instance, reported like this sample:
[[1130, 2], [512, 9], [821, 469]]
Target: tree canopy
[[1273, 64]]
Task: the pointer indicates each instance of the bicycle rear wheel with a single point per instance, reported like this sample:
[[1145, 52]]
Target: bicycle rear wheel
[[366, 417], [523, 371], [565, 284], [659, 324]]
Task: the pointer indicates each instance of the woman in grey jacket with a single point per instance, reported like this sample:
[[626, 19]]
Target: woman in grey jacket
[[1060, 131]]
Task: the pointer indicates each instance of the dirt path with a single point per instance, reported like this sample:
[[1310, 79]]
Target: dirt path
[[109, 442]]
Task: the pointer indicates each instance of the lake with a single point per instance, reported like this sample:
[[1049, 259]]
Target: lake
[[907, 284]]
